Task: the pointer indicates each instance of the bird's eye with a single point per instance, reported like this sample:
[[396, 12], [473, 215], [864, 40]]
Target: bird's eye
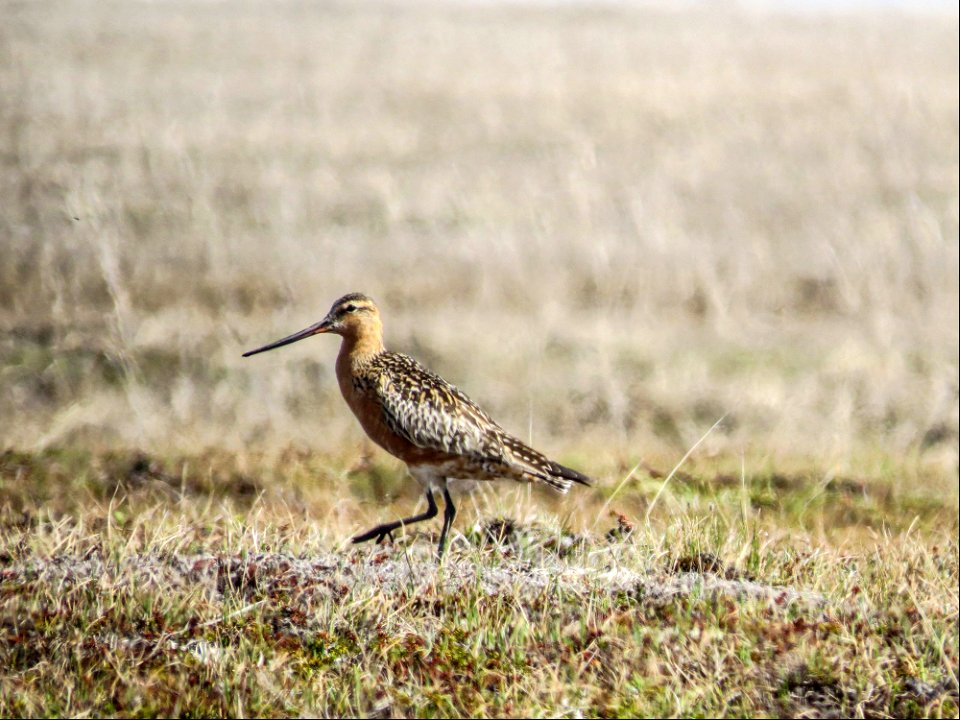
[[350, 308]]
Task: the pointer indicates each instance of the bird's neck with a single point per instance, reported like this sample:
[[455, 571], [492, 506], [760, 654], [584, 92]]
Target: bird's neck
[[357, 351], [361, 346]]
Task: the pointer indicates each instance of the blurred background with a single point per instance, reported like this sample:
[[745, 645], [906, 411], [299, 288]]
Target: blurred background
[[610, 225]]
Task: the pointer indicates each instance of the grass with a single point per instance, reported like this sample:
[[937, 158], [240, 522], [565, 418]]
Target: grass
[[609, 225], [135, 585], [612, 226]]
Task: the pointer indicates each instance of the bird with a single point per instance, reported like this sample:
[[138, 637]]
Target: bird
[[420, 418]]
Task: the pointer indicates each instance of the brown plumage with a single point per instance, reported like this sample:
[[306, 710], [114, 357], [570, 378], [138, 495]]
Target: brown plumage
[[419, 417]]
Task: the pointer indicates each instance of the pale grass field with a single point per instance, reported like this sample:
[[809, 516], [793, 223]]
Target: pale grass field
[[611, 226]]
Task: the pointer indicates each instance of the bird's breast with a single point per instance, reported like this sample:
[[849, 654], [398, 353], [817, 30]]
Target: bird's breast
[[366, 406]]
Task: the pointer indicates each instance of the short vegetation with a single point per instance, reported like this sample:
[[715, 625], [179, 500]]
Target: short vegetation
[[133, 585]]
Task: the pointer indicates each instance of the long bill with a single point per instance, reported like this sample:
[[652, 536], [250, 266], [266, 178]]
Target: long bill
[[320, 327]]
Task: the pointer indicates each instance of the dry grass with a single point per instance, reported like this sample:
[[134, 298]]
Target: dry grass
[[611, 226]]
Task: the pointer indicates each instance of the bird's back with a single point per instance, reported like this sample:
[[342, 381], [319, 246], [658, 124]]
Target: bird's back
[[424, 420]]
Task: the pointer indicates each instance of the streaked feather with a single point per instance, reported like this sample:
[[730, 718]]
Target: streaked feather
[[431, 413]]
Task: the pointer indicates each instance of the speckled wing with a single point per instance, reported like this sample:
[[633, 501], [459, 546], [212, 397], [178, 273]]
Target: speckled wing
[[430, 412]]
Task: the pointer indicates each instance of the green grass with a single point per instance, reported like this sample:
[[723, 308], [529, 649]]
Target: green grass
[[219, 586]]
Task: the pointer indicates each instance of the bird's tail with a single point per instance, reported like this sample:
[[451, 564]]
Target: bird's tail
[[536, 466], [562, 477]]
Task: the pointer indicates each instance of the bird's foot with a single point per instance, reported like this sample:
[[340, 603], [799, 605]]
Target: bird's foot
[[379, 533]]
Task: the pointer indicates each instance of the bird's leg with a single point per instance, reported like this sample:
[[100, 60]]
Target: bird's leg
[[449, 513], [382, 531]]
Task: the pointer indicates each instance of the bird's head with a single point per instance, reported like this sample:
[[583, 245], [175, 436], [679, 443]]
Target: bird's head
[[352, 316]]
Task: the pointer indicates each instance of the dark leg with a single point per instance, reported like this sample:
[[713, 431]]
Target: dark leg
[[381, 531], [449, 513]]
